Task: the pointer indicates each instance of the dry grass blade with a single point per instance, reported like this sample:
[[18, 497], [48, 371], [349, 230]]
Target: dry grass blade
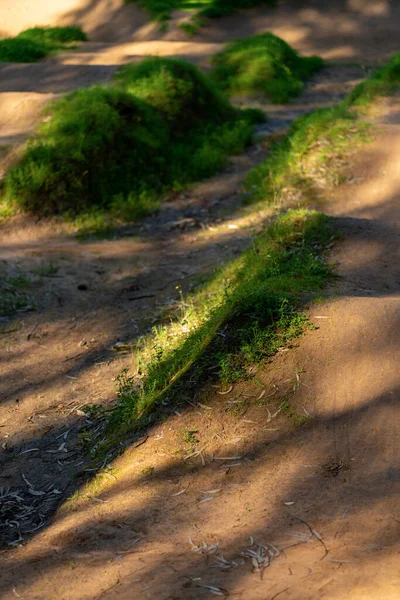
[[195, 453], [303, 537], [192, 454], [227, 457], [129, 550], [222, 563], [340, 560], [217, 591], [36, 492], [228, 391], [206, 499], [270, 417], [203, 548], [20, 513], [179, 493]]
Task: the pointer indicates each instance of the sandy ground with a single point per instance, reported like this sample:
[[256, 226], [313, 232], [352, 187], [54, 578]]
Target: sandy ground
[[127, 535]]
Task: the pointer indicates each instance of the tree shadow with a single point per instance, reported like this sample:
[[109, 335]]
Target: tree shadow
[[103, 538], [341, 30], [18, 458], [112, 22]]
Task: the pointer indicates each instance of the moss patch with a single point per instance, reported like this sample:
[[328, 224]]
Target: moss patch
[[263, 64], [34, 44], [160, 126]]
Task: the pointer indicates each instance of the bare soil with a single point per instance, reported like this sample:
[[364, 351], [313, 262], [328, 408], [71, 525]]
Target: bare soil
[[312, 490]]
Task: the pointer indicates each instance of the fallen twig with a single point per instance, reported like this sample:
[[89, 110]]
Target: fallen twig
[[312, 531], [279, 593]]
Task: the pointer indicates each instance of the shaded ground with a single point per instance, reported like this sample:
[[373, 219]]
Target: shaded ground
[[318, 482]]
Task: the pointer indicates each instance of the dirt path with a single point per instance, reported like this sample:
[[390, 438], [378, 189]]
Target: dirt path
[[317, 503], [61, 356], [340, 469]]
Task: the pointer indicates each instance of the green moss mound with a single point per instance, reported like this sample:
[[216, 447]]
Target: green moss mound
[[99, 142], [34, 44], [263, 64], [159, 127], [21, 51], [182, 94]]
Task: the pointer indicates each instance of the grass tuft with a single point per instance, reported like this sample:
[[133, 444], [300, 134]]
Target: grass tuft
[[34, 44], [191, 27], [310, 156], [263, 64], [384, 82], [14, 296]]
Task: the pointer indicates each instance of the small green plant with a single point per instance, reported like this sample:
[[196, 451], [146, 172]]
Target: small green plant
[[191, 27], [47, 269], [189, 436], [94, 410], [263, 64], [238, 408], [14, 296], [17, 281], [86, 440], [221, 8], [6, 210], [147, 471], [34, 44], [295, 419], [94, 223]]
